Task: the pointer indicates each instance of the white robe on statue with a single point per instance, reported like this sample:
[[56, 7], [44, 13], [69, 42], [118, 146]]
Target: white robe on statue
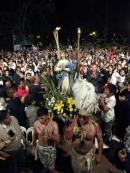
[[61, 67]]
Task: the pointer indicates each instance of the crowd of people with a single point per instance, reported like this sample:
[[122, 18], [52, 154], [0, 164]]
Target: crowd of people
[[22, 103]]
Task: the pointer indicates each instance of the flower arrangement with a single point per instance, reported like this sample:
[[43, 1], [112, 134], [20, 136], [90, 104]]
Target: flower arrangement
[[61, 105], [65, 109]]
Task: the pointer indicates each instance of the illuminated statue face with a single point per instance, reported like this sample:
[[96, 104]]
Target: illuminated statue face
[[62, 55]]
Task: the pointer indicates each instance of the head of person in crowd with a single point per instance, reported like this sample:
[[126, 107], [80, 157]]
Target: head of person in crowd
[[5, 68], [28, 76], [29, 100], [118, 67], [12, 93], [110, 69], [121, 86], [6, 73], [8, 83], [21, 83], [44, 72], [94, 68], [122, 72], [23, 89], [83, 117], [110, 90], [18, 70], [101, 64], [36, 80], [5, 117], [42, 114]]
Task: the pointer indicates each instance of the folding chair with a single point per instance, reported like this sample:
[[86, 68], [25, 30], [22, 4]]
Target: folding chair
[[23, 140], [104, 145], [29, 135]]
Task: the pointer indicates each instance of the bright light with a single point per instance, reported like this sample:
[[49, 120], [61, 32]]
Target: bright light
[[58, 28], [94, 34], [79, 30], [38, 36]]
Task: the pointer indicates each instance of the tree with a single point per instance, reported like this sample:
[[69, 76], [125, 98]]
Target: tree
[[21, 20]]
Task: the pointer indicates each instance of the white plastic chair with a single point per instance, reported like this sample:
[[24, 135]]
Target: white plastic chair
[[29, 135], [23, 131], [23, 140], [104, 145], [115, 138]]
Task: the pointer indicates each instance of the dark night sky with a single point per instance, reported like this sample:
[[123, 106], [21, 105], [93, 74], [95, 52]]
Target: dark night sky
[[90, 14], [87, 14]]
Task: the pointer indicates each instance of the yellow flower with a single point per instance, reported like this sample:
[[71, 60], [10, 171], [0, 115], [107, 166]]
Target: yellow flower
[[59, 106], [64, 115], [71, 101], [71, 109], [70, 106], [61, 111]]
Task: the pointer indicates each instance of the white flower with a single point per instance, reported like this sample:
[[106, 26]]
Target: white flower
[[53, 100], [128, 130], [49, 103]]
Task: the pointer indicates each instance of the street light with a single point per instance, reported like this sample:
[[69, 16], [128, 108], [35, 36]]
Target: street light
[[94, 34]]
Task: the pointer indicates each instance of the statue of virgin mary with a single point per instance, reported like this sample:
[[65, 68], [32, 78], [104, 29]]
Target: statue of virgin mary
[[64, 69]]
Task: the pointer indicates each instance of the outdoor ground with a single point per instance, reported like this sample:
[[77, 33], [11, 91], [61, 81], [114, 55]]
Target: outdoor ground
[[63, 164]]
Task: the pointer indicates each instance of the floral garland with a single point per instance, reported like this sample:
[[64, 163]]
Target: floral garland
[[80, 133]]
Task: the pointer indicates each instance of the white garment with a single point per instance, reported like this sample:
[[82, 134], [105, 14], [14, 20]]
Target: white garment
[[116, 77], [62, 63], [61, 66], [29, 71], [85, 96], [65, 84], [110, 114]]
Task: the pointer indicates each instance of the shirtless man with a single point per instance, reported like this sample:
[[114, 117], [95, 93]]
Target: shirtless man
[[47, 132], [83, 149]]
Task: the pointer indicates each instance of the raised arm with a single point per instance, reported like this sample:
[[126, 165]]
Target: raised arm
[[100, 143], [34, 139], [55, 133]]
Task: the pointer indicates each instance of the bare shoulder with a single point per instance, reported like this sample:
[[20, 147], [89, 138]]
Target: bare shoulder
[[35, 124], [96, 125], [93, 121], [54, 124]]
